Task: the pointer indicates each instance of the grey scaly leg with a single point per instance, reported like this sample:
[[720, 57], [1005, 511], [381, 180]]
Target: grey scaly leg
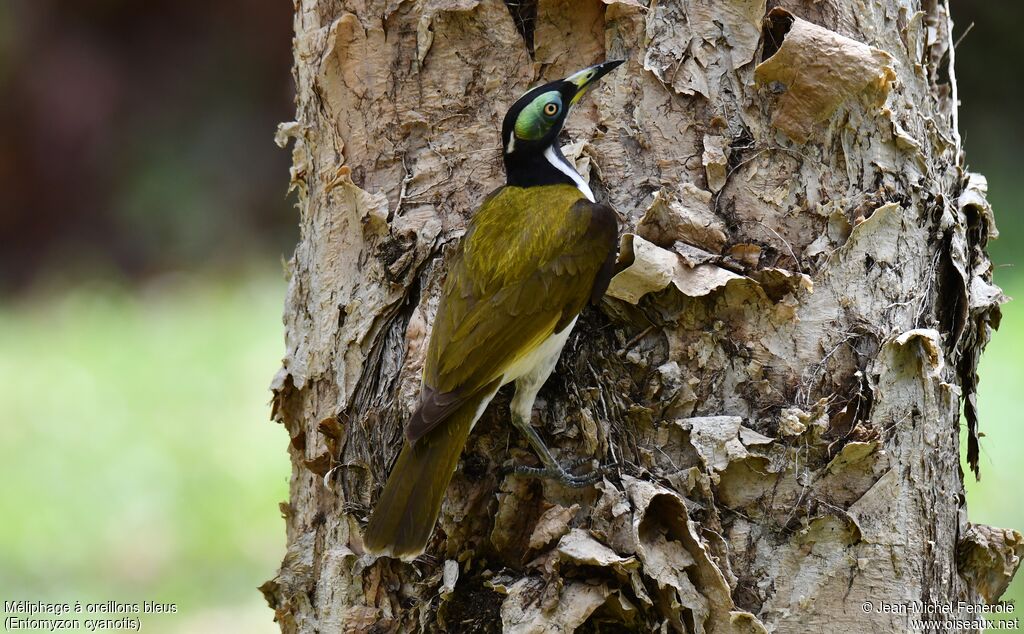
[[527, 387]]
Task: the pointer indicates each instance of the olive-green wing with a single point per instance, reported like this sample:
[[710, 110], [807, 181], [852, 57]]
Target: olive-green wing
[[510, 289]]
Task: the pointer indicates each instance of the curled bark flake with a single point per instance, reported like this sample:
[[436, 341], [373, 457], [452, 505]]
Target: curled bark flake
[[989, 557], [876, 237], [649, 268], [686, 218], [930, 350], [716, 160], [523, 612], [974, 199], [818, 69], [553, 523], [300, 165], [676, 557], [580, 548], [372, 209], [876, 513], [851, 453], [975, 313]]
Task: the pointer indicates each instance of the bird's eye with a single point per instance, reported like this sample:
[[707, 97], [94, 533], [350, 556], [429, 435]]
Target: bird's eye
[[551, 109]]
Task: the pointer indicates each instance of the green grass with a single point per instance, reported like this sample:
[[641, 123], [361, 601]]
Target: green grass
[[139, 461]]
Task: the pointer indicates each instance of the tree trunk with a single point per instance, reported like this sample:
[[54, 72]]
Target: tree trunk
[[777, 373]]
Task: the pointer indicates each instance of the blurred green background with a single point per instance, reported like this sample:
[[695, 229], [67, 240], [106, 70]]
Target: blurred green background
[[143, 218]]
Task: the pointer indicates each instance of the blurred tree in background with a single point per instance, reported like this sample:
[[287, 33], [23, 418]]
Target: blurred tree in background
[[137, 135]]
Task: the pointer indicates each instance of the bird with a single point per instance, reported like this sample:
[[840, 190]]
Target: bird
[[537, 250]]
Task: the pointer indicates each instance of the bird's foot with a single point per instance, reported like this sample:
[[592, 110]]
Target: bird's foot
[[563, 475]]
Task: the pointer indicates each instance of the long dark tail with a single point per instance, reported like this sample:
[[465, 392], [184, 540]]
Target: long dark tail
[[407, 510]]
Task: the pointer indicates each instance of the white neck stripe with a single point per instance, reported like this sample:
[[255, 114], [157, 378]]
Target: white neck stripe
[[562, 165]]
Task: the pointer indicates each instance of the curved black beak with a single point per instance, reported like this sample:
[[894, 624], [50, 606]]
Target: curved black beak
[[587, 77]]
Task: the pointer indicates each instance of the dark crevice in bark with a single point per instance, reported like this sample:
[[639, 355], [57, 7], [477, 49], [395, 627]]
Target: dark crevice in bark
[[604, 621], [473, 608], [524, 14], [846, 417], [951, 296], [776, 25]]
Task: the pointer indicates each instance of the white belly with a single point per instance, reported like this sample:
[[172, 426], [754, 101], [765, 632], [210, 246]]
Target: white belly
[[546, 354], [533, 370]]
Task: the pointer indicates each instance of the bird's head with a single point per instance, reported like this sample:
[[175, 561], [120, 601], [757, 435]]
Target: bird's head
[[533, 122]]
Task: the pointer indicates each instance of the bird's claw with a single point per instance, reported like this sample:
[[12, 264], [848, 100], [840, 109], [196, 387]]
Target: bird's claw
[[564, 476]]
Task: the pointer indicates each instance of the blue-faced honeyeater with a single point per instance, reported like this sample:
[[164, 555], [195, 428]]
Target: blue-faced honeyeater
[[535, 253]]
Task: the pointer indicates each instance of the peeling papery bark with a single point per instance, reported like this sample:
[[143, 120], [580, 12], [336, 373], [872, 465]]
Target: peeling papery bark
[[816, 69], [777, 370]]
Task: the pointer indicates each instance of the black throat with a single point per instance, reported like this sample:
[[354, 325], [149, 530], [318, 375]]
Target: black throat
[[527, 169]]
